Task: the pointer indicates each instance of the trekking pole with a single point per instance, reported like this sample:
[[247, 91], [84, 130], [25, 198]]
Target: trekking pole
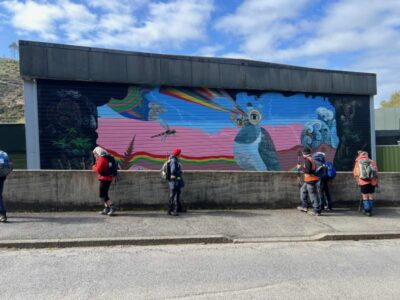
[[359, 204], [114, 188], [298, 169]]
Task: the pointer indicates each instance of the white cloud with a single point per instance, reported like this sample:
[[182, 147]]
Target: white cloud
[[35, 17], [209, 51], [117, 6], [366, 31], [114, 23]]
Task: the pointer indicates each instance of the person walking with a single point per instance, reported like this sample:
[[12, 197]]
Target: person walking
[[365, 172], [175, 183], [102, 167], [6, 167], [309, 187]]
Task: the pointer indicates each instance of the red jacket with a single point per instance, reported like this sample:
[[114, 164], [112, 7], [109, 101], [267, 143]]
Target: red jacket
[[373, 181], [101, 166]]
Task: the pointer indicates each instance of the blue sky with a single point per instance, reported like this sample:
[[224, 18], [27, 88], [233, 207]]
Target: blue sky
[[355, 35]]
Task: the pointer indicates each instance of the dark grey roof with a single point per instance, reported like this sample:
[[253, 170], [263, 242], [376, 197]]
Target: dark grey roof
[[65, 62]]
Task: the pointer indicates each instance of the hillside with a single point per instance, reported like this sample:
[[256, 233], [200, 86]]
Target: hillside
[[11, 94]]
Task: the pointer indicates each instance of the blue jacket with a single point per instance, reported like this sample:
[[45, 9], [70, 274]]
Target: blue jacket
[[176, 172]]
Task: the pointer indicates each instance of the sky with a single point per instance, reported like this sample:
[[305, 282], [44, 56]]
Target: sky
[[351, 35]]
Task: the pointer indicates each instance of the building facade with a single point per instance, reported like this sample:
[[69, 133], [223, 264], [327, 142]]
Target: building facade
[[225, 114]]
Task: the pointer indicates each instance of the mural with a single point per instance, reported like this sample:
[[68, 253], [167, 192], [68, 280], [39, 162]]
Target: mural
[[216, 129]]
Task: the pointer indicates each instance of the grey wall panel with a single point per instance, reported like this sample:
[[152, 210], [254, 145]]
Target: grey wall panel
[[232, 76], [372, 84], [320, 82], [176, 72], [107, 66], [143, 69], [33, 60], [256, 77], [68, 64], [205, 74], [340, 82], [101, 65], [273, 79]]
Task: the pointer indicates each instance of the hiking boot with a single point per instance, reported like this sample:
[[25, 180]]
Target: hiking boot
[[112, 211], [314, 213], [105, 211], [174, 213], [301, 208], [3, 218], [368, 213]]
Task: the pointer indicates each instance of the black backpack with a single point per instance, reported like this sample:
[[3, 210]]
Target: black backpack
[[112, 166]]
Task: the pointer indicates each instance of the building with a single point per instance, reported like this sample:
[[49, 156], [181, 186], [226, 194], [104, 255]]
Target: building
[[225, 114]]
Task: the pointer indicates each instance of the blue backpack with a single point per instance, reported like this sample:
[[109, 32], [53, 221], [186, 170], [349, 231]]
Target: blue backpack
[[5, 164], [320, 163], [330, 170]]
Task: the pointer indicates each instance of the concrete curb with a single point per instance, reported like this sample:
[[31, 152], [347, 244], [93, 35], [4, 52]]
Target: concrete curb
[[103, 242], [174, 240], [325, 237]]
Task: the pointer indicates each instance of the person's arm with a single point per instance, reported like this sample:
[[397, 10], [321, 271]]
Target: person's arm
[[100, 165]]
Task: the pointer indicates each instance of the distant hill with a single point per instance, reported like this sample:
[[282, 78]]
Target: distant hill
[[11, 92]]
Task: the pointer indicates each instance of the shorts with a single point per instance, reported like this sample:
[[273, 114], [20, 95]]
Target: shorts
[[367, 189], [103, 191]]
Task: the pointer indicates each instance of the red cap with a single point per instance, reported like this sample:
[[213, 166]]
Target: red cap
[[176, 152]]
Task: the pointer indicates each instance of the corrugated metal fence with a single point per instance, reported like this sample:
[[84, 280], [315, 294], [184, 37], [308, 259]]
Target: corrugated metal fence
[[388, 158]]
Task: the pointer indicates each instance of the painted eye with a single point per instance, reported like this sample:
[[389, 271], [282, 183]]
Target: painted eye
[[254, 117]]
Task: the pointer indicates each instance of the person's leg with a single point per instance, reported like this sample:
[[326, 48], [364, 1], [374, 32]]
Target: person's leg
[[366, 203], [312, 192], [320, 192], [179, 207], [303, 198], [171, 199], [3, 213], [371, 202], [327, 194], [175, 200], [104, 188]]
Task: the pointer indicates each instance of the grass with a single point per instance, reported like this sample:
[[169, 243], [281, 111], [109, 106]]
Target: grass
[[11, 92]]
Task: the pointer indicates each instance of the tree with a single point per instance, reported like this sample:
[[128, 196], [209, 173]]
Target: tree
[[13, 48], [394, 100]]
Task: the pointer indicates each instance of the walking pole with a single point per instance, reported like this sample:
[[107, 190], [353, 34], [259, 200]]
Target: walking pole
[[298, 169]]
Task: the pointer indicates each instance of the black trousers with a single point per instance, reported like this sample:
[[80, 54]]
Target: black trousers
[[103, 190], [174, 202]]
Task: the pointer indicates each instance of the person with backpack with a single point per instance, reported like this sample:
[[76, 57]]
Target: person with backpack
[[366, 174], [309, 187], [106, 167], [6, 167], [175, 183], [325, 172]]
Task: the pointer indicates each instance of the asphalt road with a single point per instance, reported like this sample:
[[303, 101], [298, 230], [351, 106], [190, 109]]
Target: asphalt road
[[308, 270]]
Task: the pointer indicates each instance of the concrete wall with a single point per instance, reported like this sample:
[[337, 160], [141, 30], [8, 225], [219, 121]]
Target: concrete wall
[[74, 190]]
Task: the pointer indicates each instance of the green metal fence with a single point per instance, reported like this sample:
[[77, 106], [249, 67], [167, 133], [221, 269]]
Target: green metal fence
[[388, 158]]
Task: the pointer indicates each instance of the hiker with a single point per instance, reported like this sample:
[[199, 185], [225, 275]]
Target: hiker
[[175, 183], [325, 172], [6, 166], [103, 167], [365, 172], [309, 187]]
